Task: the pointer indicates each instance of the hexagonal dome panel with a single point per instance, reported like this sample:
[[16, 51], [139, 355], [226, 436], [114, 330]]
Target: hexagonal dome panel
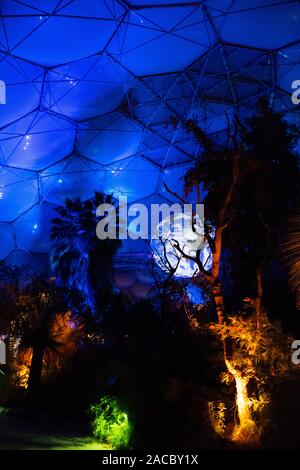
[[74, 177], [133, 177], [36, 141], [23, 88], [18, 192], [86, 88], [36, 35], [109, 138], [180, 34], [32, 229]]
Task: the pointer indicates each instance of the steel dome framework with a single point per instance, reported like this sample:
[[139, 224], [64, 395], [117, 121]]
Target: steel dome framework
[[97, 93]]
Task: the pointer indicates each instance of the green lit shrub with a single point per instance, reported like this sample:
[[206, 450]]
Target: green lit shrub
[[110, 423]]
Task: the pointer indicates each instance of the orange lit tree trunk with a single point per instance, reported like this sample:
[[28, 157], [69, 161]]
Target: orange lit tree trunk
[[244, 430]]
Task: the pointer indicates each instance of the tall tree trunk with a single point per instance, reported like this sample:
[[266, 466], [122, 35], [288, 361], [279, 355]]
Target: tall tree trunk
[[217, 291], [220, 310], [36, 367], [245, 429], [258, 302]]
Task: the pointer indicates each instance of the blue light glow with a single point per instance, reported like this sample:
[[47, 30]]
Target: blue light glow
[[97, 93]]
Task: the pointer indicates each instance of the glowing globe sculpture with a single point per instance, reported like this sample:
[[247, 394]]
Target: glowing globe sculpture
[[178, 231]]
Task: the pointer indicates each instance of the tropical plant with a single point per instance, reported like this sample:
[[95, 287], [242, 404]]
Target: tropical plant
[[80, 259], [45, 331]]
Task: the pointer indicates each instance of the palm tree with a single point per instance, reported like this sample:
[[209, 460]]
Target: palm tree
[[79, 258], [44, 328]]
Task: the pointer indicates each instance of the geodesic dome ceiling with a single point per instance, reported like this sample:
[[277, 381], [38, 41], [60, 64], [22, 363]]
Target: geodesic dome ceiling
[[97, 91]]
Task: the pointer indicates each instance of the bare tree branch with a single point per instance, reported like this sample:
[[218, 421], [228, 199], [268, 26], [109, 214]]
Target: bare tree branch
[[174, 193]]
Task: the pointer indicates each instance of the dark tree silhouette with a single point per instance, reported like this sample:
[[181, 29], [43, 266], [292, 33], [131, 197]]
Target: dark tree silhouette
[[267, 190], [248, 182], [79, 258]]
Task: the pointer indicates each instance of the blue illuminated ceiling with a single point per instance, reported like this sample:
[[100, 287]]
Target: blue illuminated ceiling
[[97, 91]]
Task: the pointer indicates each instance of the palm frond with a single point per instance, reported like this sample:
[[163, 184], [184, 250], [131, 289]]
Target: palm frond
[[290, 253]]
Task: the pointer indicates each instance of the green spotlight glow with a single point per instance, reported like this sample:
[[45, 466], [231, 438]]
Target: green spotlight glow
[[111, 424]]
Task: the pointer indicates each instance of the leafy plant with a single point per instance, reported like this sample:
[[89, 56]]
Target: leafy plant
[[111, 424]]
